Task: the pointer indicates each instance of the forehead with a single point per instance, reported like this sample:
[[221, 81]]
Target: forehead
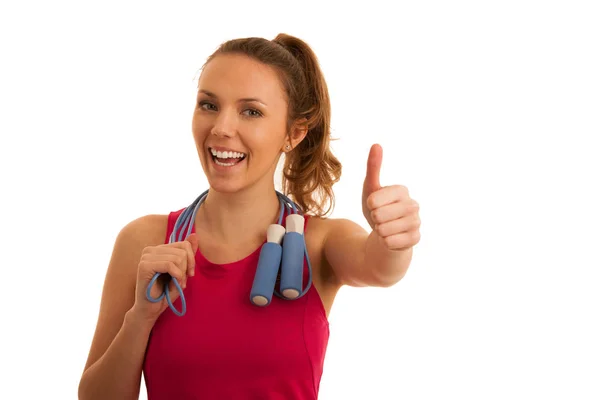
[[237, 76]]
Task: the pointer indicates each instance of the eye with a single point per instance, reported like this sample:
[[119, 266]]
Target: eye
[[206, 105], [253, 113], [250, 112]]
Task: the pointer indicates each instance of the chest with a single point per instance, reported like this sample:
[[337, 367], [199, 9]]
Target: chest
[[224, 335]]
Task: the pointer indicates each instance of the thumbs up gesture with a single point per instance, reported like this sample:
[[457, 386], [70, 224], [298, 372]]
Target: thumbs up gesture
[[390, 211]]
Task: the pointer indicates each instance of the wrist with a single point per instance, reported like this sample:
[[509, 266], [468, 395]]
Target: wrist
[[138, 321]]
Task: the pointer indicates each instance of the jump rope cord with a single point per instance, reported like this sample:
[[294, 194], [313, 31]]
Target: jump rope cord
[[187, 218]]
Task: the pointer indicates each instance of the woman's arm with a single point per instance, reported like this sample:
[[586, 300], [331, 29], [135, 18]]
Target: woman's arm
[[360, 259], [117, 374], [382, 257], [114, 365]]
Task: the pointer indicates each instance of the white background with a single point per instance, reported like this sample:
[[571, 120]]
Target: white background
[[489, 112]]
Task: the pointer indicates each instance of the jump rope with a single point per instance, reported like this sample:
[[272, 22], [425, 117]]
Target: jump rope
[[275, 256]]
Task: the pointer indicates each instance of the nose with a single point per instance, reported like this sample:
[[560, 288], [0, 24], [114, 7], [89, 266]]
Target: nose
[[224, 125]]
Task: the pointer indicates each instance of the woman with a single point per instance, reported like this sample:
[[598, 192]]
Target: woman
[[256, 100]]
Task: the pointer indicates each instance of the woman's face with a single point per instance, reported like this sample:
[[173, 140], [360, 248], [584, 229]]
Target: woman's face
[[240, 115]]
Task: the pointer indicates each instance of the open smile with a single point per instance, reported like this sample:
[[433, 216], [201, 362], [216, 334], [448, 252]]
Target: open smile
[[226, 159]]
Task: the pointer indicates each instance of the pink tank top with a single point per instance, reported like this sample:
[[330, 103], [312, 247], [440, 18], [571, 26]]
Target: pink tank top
[[225, 347]]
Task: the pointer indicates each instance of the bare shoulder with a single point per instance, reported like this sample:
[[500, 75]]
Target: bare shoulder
[[332, 242], [321, 228], [324, 225], [133, 238], [316, 226], [148, 230], [324, 278]]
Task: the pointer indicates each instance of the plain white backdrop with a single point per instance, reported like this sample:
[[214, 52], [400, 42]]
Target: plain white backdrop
[[489, 112]]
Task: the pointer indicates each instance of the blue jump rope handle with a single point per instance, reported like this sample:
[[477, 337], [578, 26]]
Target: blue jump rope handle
[[266, 272], [292, 265], [166, 293]]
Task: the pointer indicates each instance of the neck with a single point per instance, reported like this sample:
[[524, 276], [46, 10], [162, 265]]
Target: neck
[[240, 217]]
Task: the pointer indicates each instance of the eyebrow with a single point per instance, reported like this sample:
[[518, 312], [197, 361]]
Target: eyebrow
[[245, 99]]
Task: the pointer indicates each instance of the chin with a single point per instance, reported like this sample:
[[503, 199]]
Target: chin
[[228, 186]]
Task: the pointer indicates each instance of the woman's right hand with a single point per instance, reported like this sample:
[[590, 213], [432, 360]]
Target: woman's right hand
[[177, 259]]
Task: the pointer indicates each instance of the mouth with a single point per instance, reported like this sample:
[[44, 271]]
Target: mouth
[[226, 158]]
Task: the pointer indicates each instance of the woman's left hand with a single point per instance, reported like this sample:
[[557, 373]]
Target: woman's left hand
[[390, 211]]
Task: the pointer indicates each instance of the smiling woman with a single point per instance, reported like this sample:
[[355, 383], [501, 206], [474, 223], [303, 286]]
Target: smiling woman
[[227, 254], [267, 109]]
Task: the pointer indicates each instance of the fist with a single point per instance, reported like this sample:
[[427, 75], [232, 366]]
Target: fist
[[390, 211], [175, 259]]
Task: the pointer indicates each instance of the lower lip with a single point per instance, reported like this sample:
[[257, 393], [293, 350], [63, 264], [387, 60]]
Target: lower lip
[[223, 168]]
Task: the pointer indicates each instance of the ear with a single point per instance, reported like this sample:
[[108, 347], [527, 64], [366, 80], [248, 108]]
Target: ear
[[297, 134]]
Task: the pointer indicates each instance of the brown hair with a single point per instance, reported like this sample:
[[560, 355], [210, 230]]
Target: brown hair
[[310, 168]]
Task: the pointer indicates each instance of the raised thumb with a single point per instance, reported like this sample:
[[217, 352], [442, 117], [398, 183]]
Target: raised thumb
[[373, 169]]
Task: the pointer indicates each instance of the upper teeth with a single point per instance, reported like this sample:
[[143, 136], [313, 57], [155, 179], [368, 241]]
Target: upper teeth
[[226, 154]]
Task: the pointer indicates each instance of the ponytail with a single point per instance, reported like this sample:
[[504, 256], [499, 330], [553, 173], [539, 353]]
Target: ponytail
[[311, 169]]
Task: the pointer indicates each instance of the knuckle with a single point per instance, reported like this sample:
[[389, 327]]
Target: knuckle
[[416, 236], [182, 259], [402, 189], [147, 250], [403, 241], [375, 215], [389, 241], [417, 222], [371, 200]]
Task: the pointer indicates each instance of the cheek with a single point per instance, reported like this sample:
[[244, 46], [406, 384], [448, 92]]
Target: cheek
[[259, 139], [270, 136], [265, 149], [200, 131]]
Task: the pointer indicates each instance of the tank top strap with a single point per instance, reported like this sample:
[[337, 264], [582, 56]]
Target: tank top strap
[[306, 216]]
